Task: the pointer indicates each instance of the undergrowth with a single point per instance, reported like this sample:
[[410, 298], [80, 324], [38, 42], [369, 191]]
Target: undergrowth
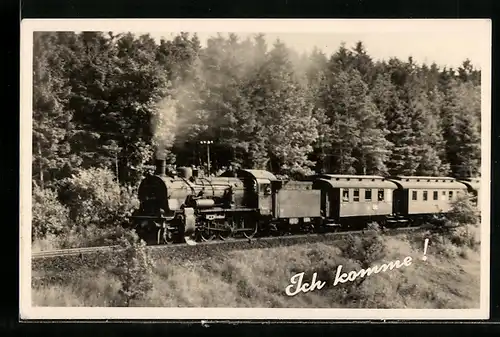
[[258, 278]]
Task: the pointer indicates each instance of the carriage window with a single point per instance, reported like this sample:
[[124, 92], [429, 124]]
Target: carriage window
[[435, 195], [368, 194], [414, 195], [355, 196], [425, 195], [450, 195], [345, 195], [380, 195]]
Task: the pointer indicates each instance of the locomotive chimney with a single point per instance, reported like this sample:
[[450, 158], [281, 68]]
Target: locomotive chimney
[[161, 167], [195, 171]]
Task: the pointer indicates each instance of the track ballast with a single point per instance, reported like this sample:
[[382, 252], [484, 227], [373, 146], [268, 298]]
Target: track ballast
[[230, 244]]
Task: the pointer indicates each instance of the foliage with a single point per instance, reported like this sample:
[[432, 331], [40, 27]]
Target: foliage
[[463, 210], [366, 249], [116, 101], [465, 236], [133, 267], [49, 215], [94, 197]]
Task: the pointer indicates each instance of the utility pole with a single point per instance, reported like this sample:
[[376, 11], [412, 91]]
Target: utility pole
[[207, 142]]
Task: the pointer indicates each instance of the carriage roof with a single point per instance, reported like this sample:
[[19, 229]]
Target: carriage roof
[[426, 182]]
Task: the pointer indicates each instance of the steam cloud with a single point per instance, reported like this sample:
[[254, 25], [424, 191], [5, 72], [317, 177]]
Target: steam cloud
[[164, 123], [178, 118], [183, 116]]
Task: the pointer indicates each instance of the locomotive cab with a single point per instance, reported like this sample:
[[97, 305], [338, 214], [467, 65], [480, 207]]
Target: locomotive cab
[[259, 188]]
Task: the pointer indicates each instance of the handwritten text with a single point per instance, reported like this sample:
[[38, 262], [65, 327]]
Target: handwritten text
[[344, 277], [298, 285], [296, 281]]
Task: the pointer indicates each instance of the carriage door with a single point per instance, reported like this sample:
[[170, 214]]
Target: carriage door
[[400, 201]]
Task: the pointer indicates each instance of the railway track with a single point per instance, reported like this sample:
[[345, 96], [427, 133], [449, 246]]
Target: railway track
[[229, 244], [72, 251]]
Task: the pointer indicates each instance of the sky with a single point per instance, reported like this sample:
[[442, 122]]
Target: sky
[[448, 49], [447, 42]]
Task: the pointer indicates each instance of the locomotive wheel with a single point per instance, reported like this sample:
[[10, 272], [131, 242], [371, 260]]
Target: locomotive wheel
[[164, 236], [227, 232], [254, 228], [159, 236], [206, 234]]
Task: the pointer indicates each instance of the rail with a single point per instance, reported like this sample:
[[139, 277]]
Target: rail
[[230, 243]]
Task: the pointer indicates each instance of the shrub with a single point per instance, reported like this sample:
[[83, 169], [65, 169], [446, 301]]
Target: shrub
[[463, 211], [89, 236], [49, 215], [366, 249], [93, 206], [464, 236], [47, 242], [95, 197], [457, 241], [134, 267]]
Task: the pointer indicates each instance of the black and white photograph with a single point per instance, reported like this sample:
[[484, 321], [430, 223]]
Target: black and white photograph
[[255, 169]]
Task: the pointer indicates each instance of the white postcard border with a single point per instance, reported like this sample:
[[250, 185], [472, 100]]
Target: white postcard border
[[28, 26]]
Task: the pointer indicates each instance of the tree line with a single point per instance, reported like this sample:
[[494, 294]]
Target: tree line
[[118, 101]]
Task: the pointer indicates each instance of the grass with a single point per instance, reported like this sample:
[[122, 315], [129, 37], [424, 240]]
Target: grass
[[449, 278]]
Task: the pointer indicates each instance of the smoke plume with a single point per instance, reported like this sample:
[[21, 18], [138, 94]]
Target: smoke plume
[[164, 122]]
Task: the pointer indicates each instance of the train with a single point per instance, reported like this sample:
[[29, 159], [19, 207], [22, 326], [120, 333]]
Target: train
[[184, 207]]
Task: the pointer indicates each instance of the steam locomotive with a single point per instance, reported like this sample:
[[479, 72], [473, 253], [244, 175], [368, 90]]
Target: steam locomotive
[[185, 207]]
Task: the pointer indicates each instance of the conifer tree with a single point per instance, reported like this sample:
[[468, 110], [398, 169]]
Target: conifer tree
[[463, 129], [426, 131], [400, 133], [290, 127], [51, 119]]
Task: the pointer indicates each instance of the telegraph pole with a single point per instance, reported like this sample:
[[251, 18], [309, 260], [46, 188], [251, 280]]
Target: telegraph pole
[[207, 142]]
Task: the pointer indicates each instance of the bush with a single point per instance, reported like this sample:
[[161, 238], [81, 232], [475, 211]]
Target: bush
[[134, 267], [49, 215], [366, 249], [89, 236], [465, 236], [94, 197], [92, 208], [463, 211]]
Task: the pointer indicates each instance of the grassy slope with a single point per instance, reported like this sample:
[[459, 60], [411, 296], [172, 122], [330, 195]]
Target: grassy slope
[[257, 278]]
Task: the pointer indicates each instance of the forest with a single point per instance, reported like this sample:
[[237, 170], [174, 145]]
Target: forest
[[105, 105]]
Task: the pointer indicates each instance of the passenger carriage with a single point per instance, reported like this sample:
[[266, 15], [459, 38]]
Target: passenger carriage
[[419, 199], [352, 200]]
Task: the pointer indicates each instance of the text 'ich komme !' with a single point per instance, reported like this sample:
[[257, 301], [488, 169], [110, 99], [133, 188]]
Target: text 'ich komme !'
[[298, 285]]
